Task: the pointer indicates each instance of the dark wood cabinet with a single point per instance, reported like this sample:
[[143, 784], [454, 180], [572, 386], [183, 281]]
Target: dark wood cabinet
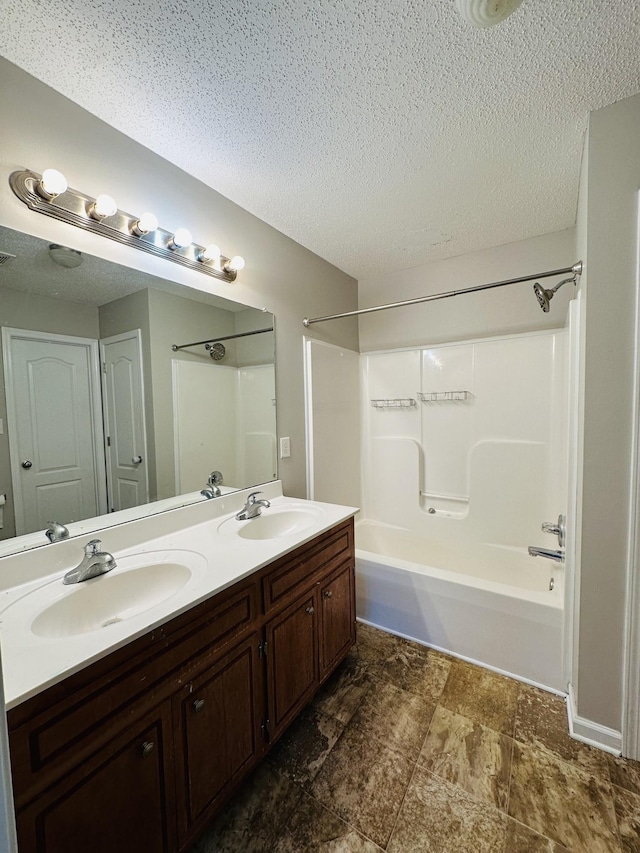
[[292, 657], [219, 727], [337, 622], [115, 801], [139, 750]]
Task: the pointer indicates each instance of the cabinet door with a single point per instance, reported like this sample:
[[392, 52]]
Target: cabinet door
[[337, 618], [219, 732], [115, 801], [292, 661]]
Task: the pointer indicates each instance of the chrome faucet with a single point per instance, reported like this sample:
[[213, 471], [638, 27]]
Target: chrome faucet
[[212, 489], [95, 562], [558, 556], [253, 507], [56, 531]]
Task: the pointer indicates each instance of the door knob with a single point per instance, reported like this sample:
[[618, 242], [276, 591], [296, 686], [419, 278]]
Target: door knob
[[147, 748], [27, 463], [136, 460]]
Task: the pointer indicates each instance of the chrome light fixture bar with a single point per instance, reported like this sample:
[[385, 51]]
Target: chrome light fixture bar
[[50, 195]]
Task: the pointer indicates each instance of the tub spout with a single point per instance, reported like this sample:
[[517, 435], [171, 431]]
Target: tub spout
[[558, 556]]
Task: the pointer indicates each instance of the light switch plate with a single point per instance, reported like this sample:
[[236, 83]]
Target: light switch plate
[[285, 447]]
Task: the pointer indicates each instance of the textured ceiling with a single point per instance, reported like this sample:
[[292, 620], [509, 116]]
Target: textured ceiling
[[378, 134]]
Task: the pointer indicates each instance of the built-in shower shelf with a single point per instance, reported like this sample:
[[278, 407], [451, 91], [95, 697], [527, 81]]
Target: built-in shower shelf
[[463, 499], [397, 403], [444, 396]]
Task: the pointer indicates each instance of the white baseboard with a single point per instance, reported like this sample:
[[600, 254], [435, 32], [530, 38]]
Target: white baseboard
[[592, 733]]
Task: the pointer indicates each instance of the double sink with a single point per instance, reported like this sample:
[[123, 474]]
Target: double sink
[[143, 581]]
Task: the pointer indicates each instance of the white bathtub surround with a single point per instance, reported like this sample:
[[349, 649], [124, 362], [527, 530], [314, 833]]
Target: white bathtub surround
[[496, 459], [332, 417], [197, 536], [456, 488], [479, 602]]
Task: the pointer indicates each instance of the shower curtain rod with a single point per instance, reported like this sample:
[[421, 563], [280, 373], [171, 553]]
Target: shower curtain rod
[[576, 270], [175, 347]]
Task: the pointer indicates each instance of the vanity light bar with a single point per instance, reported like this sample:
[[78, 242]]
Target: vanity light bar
[[50, 195]]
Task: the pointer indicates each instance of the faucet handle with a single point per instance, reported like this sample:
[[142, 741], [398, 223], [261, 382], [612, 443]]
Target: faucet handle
[[251, 499], [56, 531], [92, 548], [558, 529]]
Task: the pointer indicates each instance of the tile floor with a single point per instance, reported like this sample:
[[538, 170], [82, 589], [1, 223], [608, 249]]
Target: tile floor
[[408, 750]]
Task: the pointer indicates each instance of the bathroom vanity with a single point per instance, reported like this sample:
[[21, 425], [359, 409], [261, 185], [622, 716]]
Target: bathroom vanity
[[138, 748]]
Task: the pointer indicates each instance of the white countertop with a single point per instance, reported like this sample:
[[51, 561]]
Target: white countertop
[[32, 581]]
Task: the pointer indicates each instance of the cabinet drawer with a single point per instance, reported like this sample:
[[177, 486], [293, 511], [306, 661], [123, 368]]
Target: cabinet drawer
[[306, 565], [61, 733]]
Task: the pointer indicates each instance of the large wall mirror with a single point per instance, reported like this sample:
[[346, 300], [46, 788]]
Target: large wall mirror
[[98, 412]]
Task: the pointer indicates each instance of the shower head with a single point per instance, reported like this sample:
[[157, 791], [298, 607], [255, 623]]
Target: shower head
[[545, 295]]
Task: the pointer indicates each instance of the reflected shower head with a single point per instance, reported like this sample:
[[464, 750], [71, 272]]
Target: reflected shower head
[[544, 295]]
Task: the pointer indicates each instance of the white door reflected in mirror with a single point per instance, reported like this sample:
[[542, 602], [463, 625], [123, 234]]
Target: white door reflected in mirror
[[55, 435], [125, 430]]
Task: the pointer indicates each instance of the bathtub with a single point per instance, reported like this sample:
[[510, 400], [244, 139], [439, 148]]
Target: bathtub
[[488, 604]]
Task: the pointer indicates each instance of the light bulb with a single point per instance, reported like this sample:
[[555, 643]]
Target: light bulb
[[235, 264], [181, 239], [211, 253], [102, 207], [51, 184], [147, 222]]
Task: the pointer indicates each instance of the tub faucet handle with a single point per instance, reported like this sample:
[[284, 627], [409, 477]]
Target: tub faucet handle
[[559, 529]]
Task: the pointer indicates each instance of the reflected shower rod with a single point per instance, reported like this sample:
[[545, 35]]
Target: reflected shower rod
[[575, 270], [175, 347]]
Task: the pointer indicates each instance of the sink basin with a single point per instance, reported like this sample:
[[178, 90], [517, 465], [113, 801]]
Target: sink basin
[[136, 585], [273, 523]]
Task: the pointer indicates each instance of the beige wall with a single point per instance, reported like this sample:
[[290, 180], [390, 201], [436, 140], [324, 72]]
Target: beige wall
[[507, 310], [255, 349], [608, 231], [43, 129]]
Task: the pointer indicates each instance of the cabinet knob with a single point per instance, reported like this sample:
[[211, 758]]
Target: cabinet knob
[[327, 593], [198, 705], [310, 610], [147, 748]]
